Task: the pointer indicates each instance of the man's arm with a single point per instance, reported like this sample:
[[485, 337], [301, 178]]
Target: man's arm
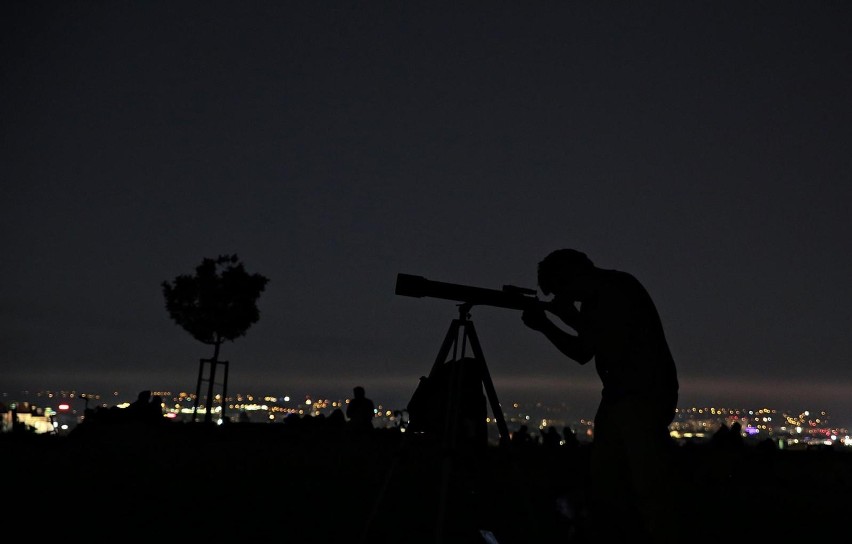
[[566, 311], [573, 346]]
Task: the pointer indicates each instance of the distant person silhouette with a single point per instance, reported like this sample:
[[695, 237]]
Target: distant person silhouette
[[570, 438], [146, 408], [360, 410], [725, 437], [616, 323], [522, 436], [550, 437], [155, 409], [140, 409], [337, 418], [735, 435], [720, 436]]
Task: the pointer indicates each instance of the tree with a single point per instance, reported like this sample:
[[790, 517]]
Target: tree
[[216, 304]]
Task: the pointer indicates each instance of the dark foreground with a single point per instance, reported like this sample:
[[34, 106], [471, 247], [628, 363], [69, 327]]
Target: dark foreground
[[246, 481]]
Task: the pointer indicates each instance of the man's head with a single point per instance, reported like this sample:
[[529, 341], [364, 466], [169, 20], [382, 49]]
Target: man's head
[[559, 272]]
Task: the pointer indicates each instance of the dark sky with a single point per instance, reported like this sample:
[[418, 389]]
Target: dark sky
[[702, 146]]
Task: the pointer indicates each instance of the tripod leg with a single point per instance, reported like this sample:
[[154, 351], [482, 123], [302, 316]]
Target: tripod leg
[[449, 341], [496, 409]]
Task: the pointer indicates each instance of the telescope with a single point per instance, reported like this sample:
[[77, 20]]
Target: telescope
[[459, 336], [512, 297]]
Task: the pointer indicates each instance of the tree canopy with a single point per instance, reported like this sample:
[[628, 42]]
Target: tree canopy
[[218, 302]]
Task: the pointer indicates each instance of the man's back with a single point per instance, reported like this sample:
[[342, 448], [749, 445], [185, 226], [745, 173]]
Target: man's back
[[631, 351]]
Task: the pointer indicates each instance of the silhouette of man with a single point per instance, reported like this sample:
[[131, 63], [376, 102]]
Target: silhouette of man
[[615, 321], [360, 410], [139, 409], [522, 436], [154, 412], [550, 438], [570, 437]]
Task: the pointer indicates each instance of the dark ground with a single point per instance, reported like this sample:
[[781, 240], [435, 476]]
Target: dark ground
[[273, 481]]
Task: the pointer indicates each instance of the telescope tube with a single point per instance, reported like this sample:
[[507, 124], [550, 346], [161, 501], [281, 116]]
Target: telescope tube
[[513, 298]]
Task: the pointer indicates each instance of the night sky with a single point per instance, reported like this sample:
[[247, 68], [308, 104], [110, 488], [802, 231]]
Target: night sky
[[702, 146]]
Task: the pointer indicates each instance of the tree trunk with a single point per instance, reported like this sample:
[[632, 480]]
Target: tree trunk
[[208, 414]]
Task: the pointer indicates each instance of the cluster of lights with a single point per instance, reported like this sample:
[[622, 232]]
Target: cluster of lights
[[810, 427]]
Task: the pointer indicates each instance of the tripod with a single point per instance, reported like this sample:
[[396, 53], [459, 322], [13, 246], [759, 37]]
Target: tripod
[[460, 334], [447, 446]]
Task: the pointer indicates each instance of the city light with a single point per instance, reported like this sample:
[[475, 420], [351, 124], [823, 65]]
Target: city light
[[795, 429]]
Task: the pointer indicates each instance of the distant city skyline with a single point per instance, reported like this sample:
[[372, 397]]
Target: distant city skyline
[[115, 397], [58, 413], [585, 395]]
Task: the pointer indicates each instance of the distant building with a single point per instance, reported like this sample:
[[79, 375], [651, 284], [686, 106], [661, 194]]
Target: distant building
[[25, 417]]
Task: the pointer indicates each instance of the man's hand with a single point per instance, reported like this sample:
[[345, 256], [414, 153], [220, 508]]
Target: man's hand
[[535, 319]]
